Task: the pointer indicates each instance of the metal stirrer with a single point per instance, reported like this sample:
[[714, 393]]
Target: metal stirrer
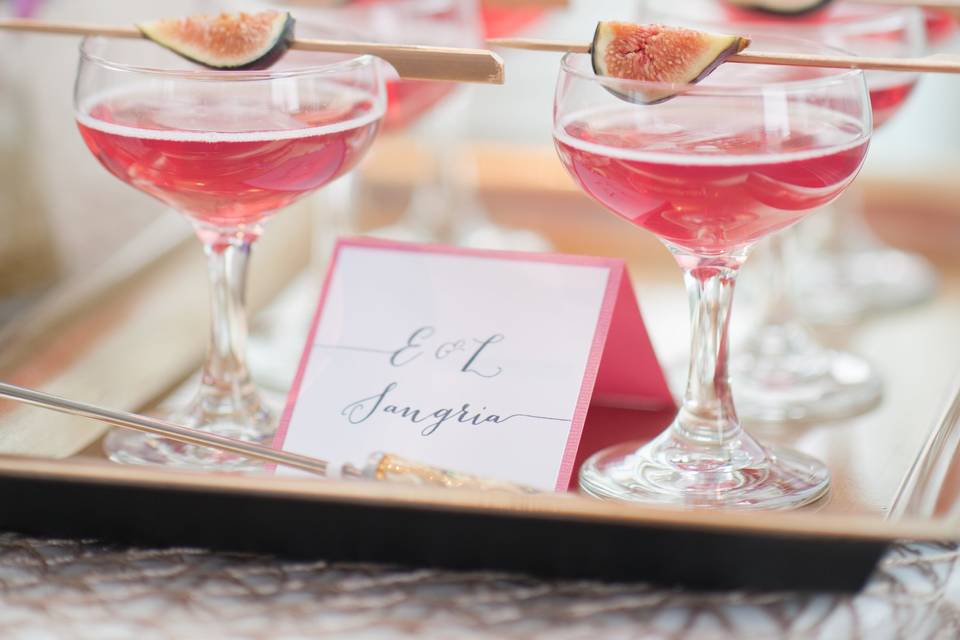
[[163, 428], [381, 466]]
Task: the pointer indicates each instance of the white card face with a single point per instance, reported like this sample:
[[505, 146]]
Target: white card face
[[467, 362]]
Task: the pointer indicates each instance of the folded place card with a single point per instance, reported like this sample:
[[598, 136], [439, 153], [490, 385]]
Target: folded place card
[[484, 362]]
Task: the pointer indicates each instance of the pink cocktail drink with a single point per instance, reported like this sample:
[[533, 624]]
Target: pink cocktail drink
[[449, 23], [711, 169], [226, 168], [709, 194], [887, 100], [227, 149], [408, 100], [507, 21], [860, 28], [941, 26]]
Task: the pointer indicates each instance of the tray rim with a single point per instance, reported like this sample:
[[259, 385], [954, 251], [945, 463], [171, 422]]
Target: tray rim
[[568, 507], [924, 480]]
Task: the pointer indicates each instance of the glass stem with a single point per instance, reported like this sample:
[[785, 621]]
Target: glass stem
[[778, 294], [782, 345], [849, 229], [226, 387], [707, 415]]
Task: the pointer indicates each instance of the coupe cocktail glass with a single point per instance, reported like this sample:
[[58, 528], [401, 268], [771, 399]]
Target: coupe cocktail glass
[[227, 149], [447, 23], [711, 172], [444, 207], [854, 273], [783, 373]]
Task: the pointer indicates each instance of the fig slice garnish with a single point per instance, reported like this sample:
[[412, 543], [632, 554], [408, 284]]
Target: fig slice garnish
[[669, 56], [225, 41], [781, 7]]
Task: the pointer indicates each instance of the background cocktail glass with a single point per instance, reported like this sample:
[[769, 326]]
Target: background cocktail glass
[[855, 273], [227, 149], [711, 172], [444, 206], [440, 204], [784, 373]]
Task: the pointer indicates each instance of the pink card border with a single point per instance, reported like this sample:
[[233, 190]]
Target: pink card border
[[616, 270]]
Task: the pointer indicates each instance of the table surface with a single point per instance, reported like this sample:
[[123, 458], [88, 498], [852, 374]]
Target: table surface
[[84, 589]]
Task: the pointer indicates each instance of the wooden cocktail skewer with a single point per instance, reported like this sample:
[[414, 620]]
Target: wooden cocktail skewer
[[410, 61], [381, 466], [154, 426], [929, 64]]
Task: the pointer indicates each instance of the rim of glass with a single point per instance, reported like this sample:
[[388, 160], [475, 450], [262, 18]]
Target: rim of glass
[[883, 13], [567, 66], [425, 11], [200, 73], [420, 5]]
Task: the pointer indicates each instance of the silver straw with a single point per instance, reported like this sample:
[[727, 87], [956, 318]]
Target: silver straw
[[163, 428], [383, 467]]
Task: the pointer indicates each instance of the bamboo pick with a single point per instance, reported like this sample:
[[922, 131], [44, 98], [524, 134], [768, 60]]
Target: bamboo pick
[[146, 424], [532, 44], [411, 61], [927, 64]]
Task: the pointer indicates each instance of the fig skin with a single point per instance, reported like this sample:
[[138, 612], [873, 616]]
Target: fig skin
[[278, 50], [781, 8], [709, 51], [261, 57]]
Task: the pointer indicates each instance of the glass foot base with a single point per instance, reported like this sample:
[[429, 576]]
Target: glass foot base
[[277, 340], [840, 385], [841, 288], [132, 447], [632, 472]]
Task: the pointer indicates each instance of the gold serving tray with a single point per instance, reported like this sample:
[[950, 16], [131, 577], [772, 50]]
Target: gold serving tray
[[570, 507], [551, 535], [895, 470]]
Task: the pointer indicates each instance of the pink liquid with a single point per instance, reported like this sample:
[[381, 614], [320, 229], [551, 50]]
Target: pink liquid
[[886, 101], [408, 100], [710, 188], [226, 166], [839, 17], [413, 22], [506, 21], [835, 13], [941, 26]]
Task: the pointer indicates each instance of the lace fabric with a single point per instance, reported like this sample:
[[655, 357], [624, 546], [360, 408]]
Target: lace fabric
[[87, 589]]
